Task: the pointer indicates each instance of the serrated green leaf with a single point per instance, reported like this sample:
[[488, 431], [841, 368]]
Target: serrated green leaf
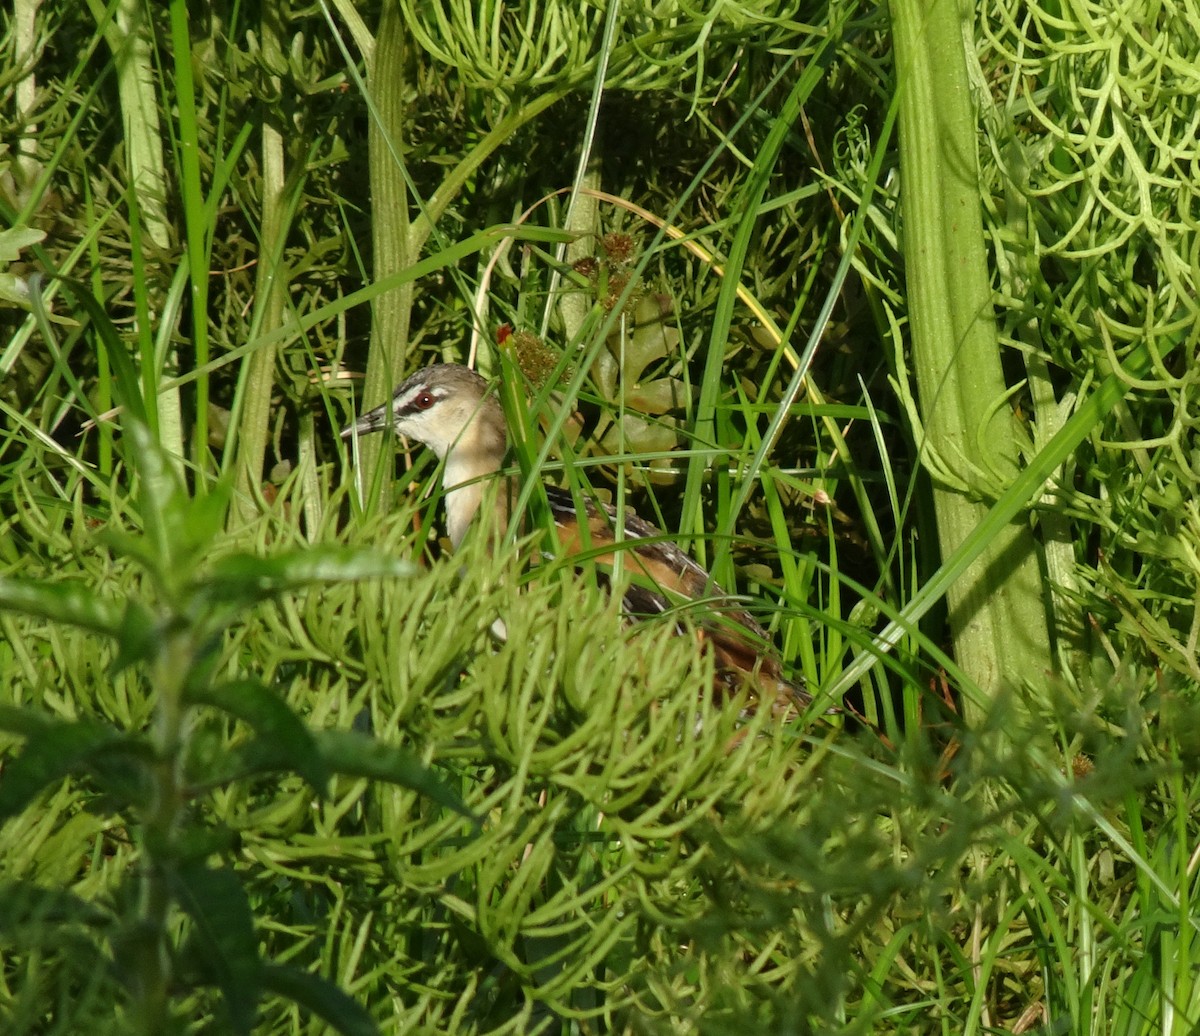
[[25, 722], [224, 944], [126, 544], [189, 525], [53, 749], [321, 997], [251, 758], [28, 903], [255, 704], [205, 516], [358, 755], [138, 637], [196, 843], [76, 604]]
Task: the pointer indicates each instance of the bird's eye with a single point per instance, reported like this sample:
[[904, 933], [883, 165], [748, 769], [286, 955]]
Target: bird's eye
[[423, 400]]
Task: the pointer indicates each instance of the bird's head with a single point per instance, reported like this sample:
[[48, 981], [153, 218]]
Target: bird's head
[[447, 407]]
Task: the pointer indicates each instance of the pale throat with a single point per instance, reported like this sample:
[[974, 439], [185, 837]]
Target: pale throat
[[465, 478]]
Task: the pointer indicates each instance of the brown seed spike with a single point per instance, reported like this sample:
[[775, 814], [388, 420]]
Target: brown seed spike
[[618, 248]]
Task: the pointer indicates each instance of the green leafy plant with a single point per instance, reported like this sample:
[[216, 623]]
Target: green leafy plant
[[763, 385], [165, 636]]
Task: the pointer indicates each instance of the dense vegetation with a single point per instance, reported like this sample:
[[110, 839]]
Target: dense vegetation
[[898, 336]]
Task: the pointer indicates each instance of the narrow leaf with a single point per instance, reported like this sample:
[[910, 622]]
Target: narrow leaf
[[54, 749], [75, 604], [28, 903], [128, 383], [357, 755], [321, 997], [276, 724], [223, 940], [248, 578], [139, 637], [163, 502], [1024, 488]]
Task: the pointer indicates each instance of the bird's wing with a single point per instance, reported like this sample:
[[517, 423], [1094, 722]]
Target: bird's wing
[[663, 578]]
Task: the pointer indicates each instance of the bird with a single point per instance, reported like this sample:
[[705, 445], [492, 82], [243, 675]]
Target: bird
[[451, 410]]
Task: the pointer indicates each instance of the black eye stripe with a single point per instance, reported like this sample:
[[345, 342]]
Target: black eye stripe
[[419, 400]]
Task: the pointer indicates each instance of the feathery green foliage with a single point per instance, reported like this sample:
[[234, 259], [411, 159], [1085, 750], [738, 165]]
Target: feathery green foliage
[[262, 773]]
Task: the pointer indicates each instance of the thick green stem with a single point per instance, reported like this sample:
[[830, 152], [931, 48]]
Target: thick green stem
[[150, 965], [24, 26], [997, 611], [391, 241]]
